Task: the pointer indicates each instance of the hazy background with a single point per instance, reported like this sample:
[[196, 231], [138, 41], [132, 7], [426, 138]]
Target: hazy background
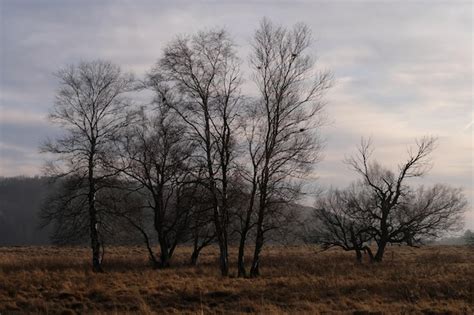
[[403, 69]]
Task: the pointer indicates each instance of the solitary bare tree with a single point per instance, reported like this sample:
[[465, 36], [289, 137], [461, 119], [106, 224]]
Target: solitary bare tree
[[398, 212], [284, 143], [202, 73], [90, 106]]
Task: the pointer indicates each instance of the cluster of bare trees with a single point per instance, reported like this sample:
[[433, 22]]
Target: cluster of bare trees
[[203, 163], [381, 207]]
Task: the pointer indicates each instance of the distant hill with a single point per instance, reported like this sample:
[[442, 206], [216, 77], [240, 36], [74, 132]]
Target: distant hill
[[20, 202]]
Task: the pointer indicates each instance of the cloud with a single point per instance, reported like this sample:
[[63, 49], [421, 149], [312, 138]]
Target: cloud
[[402, 70], [14, 116], [469, 126]]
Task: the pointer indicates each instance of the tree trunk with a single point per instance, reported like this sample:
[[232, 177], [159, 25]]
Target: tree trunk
[[224, 262], [94, 224], [240, 260], [158, 224], [255, 269], [154, 263], [195, 256], [243, 237], [369, 253], [95, 244], [384, 235], [164, 253], [196, 249], [380, 251], [218, 222], [358, 256]]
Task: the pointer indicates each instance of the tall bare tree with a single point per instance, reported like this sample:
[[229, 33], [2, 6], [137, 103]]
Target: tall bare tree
[[202, 71], [90, 107], [155, 160], [248, 171], [290, 110], [400, 213]]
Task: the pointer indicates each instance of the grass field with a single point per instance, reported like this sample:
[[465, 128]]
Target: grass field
[[428, 280]]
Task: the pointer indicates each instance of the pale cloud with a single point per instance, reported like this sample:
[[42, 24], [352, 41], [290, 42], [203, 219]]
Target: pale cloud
[[468, 127], [402, 69], [11, 115]]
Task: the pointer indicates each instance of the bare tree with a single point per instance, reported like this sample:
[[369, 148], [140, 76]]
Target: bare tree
[[202, 72], [90, 106], [285, 141], [248, 172], [154, 159], [428, 213], [400, 213]]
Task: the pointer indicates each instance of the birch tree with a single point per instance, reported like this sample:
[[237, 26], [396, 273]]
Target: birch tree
[[202, 71], [286, 139], [91, 108]]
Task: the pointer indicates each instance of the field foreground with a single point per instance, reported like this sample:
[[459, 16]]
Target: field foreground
[[428, 280]]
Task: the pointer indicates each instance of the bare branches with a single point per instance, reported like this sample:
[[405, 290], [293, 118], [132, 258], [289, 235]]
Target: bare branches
[[418, 162], [91, 107], [389, 209], [154, 159], [284, 144], [204, 163], [203, 70]]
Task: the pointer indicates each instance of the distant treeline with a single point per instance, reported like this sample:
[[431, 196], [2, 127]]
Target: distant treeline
[[21, 199], [467, 238], [20, 202]]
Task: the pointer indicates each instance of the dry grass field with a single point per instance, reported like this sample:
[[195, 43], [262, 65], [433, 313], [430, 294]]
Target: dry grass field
[[428, 280]]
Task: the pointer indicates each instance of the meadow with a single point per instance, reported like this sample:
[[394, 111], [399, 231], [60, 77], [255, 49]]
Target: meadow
[[298, 279]]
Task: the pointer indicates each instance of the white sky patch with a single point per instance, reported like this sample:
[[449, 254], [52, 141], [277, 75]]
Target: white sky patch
[[469, 126], [11, 115], [6, 146]]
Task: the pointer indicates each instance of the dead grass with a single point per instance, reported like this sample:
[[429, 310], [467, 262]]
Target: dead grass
[[429, 280]]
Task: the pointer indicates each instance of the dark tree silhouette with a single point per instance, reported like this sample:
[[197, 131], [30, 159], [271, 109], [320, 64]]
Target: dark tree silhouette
[[154, 159], [284, 143], [202, 74], [91, 108], [340, 220], [398, 212]]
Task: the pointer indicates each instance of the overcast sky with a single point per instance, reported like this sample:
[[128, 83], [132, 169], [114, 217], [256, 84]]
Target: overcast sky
[[403, 69]]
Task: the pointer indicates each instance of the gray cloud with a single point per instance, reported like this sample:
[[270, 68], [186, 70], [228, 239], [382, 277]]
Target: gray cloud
[[403, 69]]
